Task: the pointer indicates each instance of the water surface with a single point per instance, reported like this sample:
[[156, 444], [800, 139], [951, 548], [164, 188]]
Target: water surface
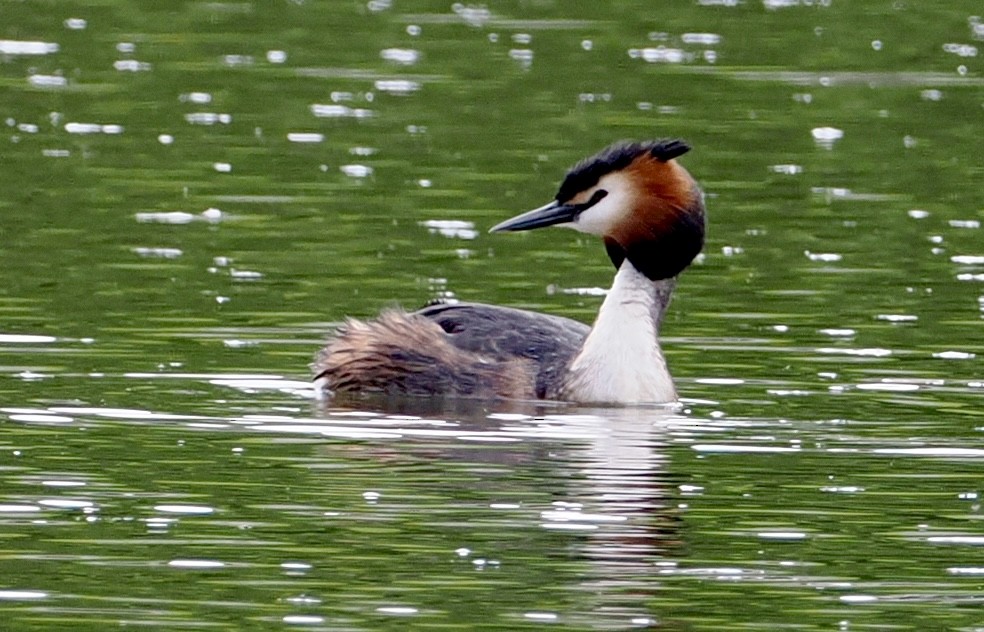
[[194, 195]]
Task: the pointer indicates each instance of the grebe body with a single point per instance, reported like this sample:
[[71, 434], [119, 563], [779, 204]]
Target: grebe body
[[649, 212]]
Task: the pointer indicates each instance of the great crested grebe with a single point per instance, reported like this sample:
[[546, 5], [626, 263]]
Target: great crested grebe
[[649, 212]]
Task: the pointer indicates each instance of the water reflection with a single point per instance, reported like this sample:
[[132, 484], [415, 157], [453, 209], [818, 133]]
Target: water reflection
[[625, 504], [618, 504], [617, 497], [594, 483]]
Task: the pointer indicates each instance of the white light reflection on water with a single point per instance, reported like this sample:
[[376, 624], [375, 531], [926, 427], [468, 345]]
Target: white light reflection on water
[[191, 510], [962, 453], [459, 229], [132, 65], [305, 137], [781, 535], [197, 564], [356, 171], [838, 332], [303, 619], [200, 98], [339, 111], [402, 56], [966, 570], [22, 595], [42, 418], [47, 81], [152, 252], [211, 215], [893, 387], [26, 338], [93, 128], [826, 136], [720, 447], [874, 353], [208, 118], [65, 503], [118, 413], [399, 87], [63, 483], [954, 355], [660, 54], [973, 540], [858, 598], [541, 616], [397, 610], [19, 509], [897, 318], [720, 381], [19, 47]]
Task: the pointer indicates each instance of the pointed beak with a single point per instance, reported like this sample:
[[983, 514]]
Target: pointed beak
[[547, 215]]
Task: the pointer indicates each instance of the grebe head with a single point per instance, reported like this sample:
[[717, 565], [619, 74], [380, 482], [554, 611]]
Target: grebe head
[[647, 207]]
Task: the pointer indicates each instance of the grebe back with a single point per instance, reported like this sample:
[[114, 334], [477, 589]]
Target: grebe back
[[649, 212]]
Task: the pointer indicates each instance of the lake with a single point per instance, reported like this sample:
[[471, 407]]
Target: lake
[[193, 195]]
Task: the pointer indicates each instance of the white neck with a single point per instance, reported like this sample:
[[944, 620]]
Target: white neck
[[620, 361]]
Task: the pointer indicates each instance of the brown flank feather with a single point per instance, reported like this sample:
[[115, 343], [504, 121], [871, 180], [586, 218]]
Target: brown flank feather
[[401, 353]]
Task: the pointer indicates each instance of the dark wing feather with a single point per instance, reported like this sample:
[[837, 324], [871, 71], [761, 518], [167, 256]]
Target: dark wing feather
[[505, 333]]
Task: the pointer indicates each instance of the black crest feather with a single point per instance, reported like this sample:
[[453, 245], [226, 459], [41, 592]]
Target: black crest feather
[[586, 173]]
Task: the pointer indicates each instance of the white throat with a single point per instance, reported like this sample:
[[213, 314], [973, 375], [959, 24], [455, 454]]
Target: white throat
[[621, 361]]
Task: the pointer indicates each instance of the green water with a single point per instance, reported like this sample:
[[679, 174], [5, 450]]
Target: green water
[[192, 194]]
